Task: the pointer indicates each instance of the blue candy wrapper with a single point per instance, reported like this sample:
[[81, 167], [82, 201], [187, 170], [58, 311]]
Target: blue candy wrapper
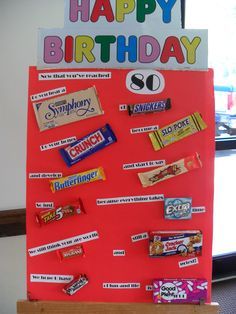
[[88, 145], [178, 208]]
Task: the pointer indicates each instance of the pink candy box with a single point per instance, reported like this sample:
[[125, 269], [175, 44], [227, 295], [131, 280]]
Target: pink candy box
[[179, 290]]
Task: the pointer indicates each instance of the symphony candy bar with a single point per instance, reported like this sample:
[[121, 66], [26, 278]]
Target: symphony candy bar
[[66, 109], [149, 107], [177, 131], [73, 251], [77, 179], [178, 208], [88, 145], [169, 171], [180, 291], [184, 243], [44, 217], [75, 285]]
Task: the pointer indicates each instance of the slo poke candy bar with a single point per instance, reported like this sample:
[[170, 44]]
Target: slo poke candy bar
[[77, 179], [169, 171], [184, 243], [75, 285], [66, 109], [149, 107], [44, 217], [73, 251], [180, 291], [178, 208], [177, 131], [88, 145]]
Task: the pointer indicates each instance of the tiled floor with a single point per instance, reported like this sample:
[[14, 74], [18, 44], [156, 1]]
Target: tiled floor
[[224, 293]]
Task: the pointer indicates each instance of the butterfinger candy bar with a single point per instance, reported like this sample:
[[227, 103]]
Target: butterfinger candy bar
[[75, 285], [184, 243], [88, 145], [66, 109], [77, 179], [73, 251], [169, 171], [44, 217], [177, 131], [180, 290], [149, 107]]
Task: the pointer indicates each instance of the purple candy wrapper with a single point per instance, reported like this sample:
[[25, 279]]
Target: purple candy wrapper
[[179, 291]]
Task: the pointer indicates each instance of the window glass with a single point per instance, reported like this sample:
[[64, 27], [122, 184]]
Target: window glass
[[219, 17]]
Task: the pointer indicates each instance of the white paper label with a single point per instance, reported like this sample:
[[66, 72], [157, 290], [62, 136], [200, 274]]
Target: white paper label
[[198, 210], [118, 252], [123, 107], [188, 262], [59, 143], [45, 175], [149, 288], [144, 164], [130, 199], [144, 129], [63, 243], [139, 237], [48, 94], [44, 205], [74, 76], [122, 285], [50, 278]]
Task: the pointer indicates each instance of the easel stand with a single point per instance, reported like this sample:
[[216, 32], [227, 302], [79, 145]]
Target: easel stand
[[27, 307]]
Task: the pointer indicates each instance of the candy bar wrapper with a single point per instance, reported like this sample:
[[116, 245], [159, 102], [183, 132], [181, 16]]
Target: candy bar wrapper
[[47, 216], [88, 145], [75, 285], [184, 243], [71, 252], [149, 107], [178, 208], [180, 291], [77, 179], [177, 131], [66, 109], [169, 171]]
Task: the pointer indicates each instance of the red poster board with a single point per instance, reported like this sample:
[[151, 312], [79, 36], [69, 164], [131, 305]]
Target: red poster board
[[190, 91]]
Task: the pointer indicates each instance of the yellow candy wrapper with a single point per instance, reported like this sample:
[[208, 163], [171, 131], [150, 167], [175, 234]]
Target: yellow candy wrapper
[[177, 130], [77, 179]]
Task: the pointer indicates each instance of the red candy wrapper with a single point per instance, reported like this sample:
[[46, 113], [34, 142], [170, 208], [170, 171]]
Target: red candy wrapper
[[73, 251], [47, 216], [75, 285]]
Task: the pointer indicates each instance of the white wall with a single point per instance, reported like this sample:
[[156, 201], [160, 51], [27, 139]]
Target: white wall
[[19, 21]]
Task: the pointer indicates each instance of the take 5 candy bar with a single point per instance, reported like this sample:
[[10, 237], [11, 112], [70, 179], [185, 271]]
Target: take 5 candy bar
[[177, 131], [47, 216], [184, 243], [169, 171], [180, 290], [149, 107], [66, 109], [88, 145]]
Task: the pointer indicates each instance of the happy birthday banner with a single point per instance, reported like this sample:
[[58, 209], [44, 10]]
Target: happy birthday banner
[[124, 34]]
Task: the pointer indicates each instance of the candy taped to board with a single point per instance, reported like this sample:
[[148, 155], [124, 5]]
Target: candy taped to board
[[177, 131], [170, 171], [88, 145], [66, 109], [179, 290]]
